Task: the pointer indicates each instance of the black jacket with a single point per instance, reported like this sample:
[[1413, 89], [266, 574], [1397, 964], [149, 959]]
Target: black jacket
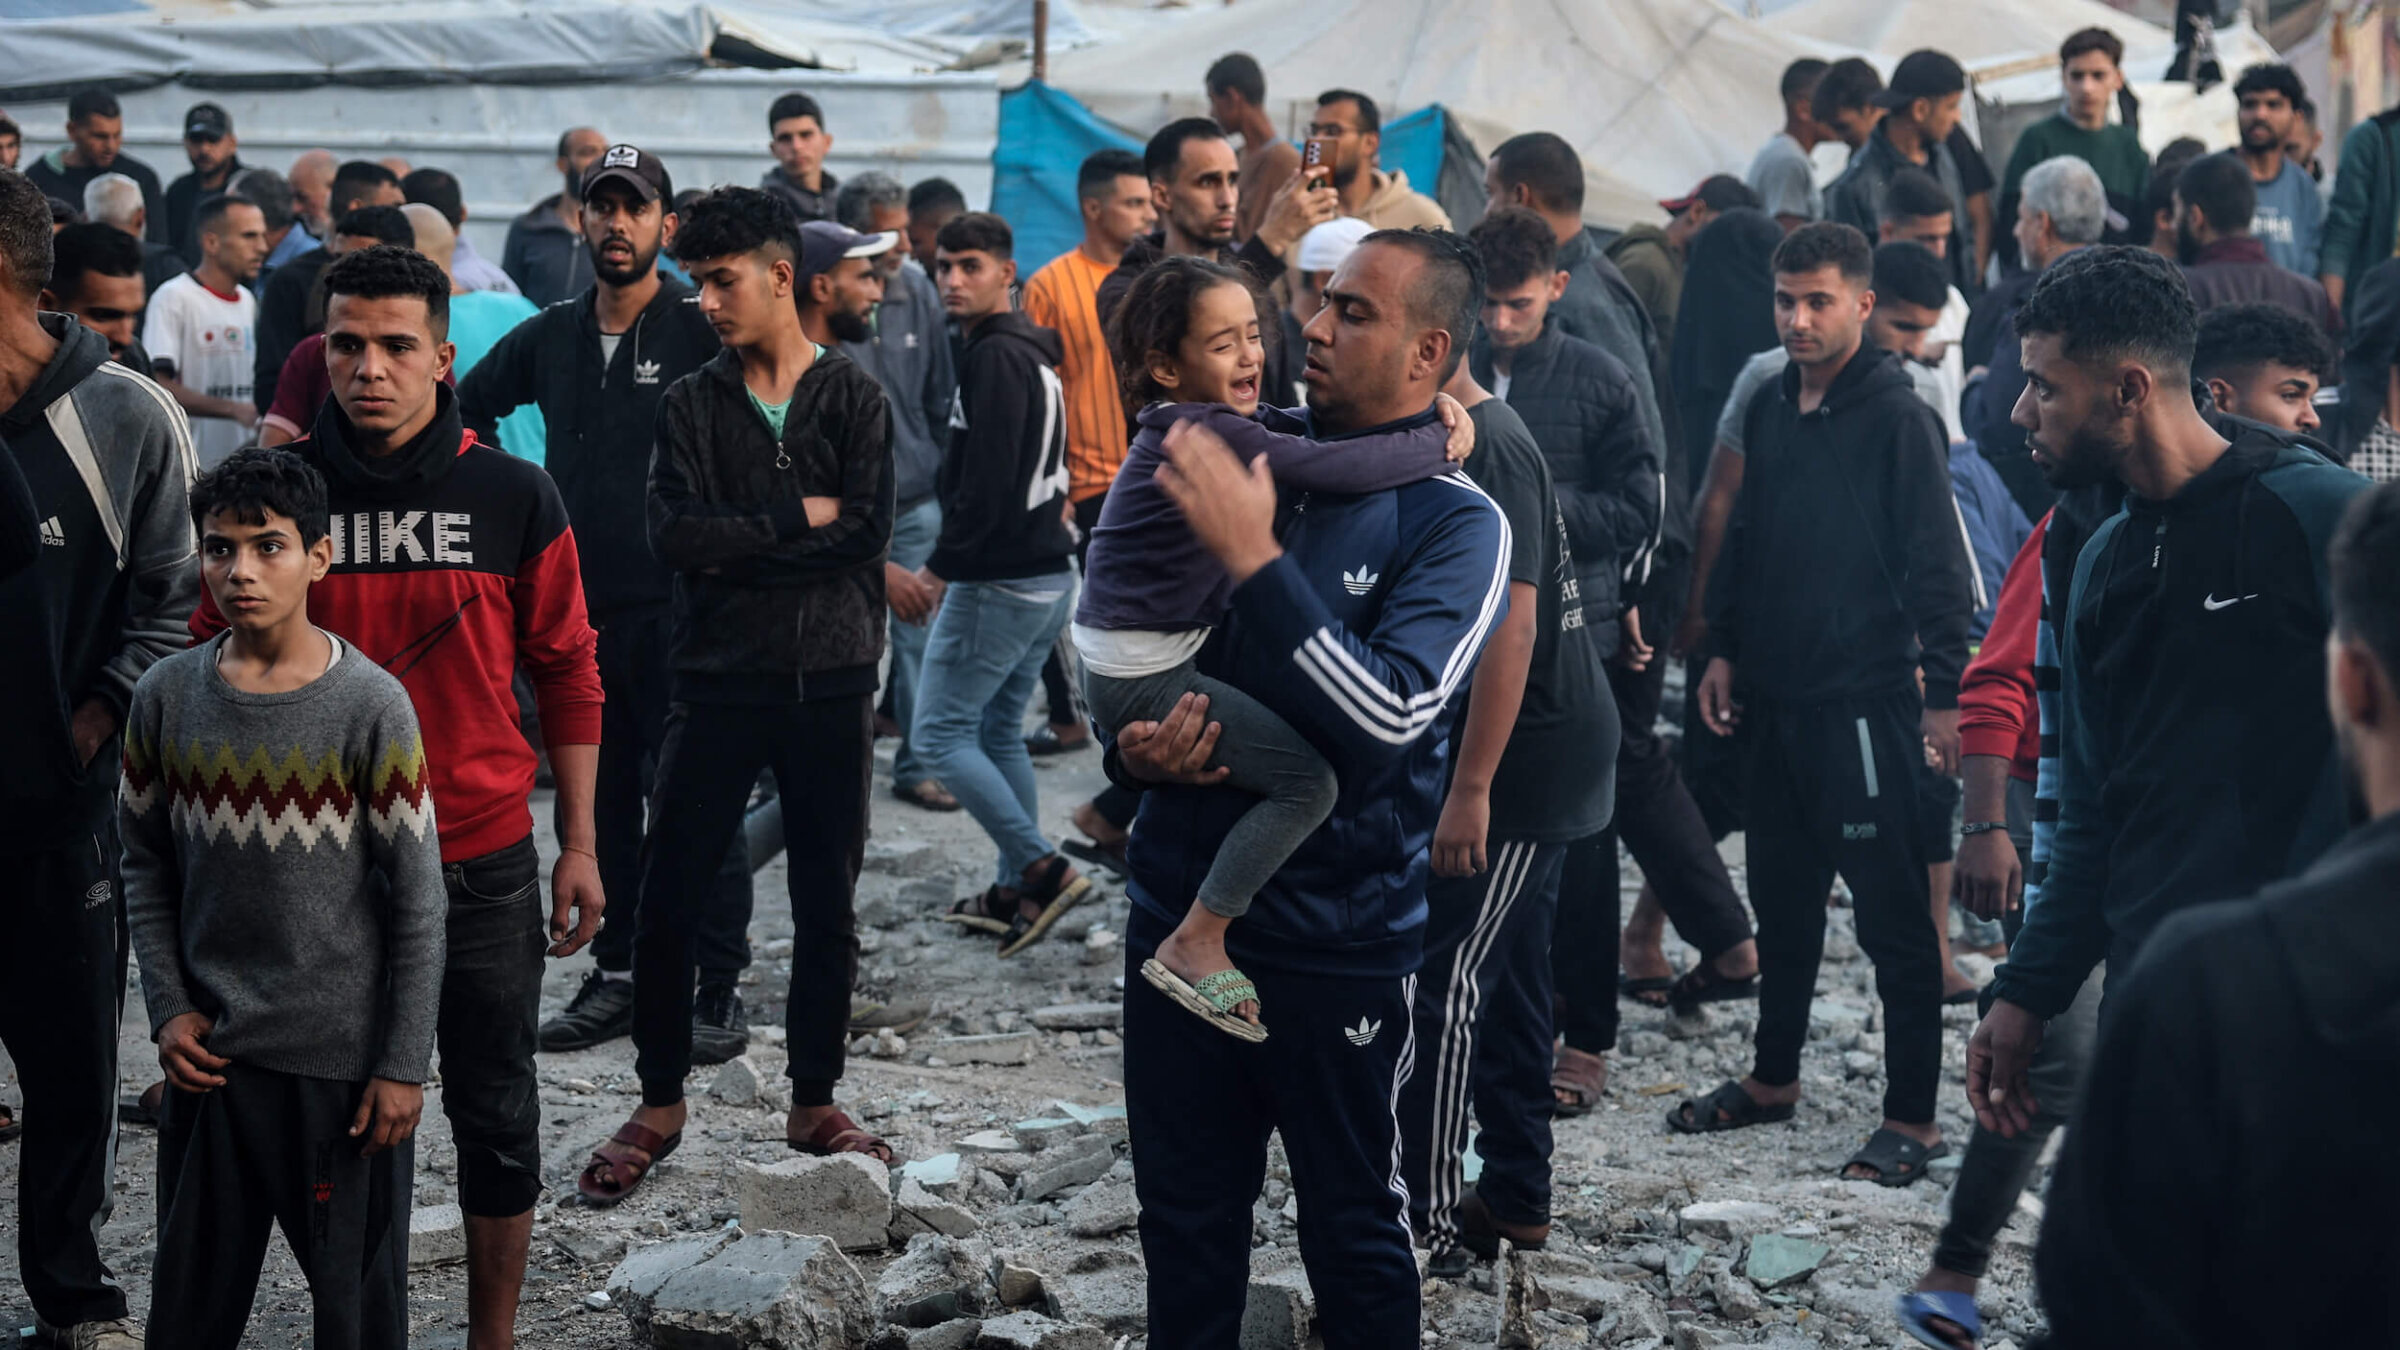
[[1581, 405], [601, 421], [767, 607], [1846, 564], [1006, 474], [183, 198], [289, 309], [2241, 1055], [548, 261]]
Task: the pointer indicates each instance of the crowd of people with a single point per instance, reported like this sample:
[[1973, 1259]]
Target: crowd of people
[[2018, 536]]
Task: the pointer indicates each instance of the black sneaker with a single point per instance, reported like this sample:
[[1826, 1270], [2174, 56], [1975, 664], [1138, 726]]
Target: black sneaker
[[602, 1010], [720, 1029]]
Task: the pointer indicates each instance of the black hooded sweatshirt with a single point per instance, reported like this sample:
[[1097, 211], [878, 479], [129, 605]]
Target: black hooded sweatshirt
[[1004, 480], [1846, 565], [1729, 279]]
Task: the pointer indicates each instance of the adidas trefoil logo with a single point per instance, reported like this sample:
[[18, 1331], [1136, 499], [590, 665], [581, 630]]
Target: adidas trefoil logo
[[645, 372], [1359, 583], [1364, 1033], [53, 534]]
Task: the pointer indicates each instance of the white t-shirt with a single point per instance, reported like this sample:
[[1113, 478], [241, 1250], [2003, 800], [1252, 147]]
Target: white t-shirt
[[204, 341], [1949, 377]]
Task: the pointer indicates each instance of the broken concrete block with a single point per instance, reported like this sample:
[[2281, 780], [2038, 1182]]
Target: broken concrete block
[[1102, 1208], [1113, 1298], [588, 1246], [941, 1216], [1080, 1016], [959, 1335], [1006, 1047], [1108, 1121], [1078, 1162], [1019, 1285], [938, 1174], [846, 1197], [638, 1278], [437, 1234], [936, 1280], [912, 858], [1032, 1331], [1280, 1313], [767, 1289], [1586, 1296], [1727, 1218], [1737, 1301], [1099, 947], [738, 1082], [990, 1141], [1044, 1131], [1776, 1260]]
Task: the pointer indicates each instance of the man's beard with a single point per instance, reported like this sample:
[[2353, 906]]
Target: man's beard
[[2187, 245], [2272, 138], [643, 260], [2084, 461], [848, 327]]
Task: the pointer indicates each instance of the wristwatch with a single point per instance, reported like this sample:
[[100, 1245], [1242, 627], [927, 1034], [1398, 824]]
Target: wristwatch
[[1981, 827]]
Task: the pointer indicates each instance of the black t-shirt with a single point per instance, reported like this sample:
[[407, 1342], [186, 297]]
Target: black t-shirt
[[1974, 171], [1557, 781]]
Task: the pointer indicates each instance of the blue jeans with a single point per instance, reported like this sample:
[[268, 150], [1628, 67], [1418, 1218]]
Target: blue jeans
[[982, 659], [914, 531]]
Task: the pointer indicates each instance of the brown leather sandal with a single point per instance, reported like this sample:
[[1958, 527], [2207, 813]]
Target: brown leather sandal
[[838, 1133], [1577, 1081], [609, 1178]]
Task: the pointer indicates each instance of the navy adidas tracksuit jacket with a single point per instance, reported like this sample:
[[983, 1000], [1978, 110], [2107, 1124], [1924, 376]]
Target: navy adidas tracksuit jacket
[[1358, 636]]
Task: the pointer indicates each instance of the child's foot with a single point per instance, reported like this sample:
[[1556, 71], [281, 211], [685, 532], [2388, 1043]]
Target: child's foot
[[1194, 956]]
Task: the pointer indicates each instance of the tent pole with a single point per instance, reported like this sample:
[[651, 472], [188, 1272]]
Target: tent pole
[[1041, 40]]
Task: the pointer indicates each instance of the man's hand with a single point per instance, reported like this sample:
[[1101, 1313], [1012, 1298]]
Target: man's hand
[[1717, 707], [1940, 726], [1462, 427], [387, 1114], [574, 885], [1174, 750], [1230, 510], [1689, 634], [93, 724], [1988, 879], [935, 587], [822, 511], [183, 1053], [1459, 840], [1296, 208], [1998, 1054], [910, 598], [1632, 652]]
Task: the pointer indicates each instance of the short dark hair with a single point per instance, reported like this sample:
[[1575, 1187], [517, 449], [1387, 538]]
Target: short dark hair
[[9, 128], [2221, 188], [565, 140], [2272, 77], [389, 271], [359, 178], [2160, 196], [733, 220], [1826, 243], [25, 233], [270, 191], [2116, 302], [2364, 566], [1156, 315], [254, 481], [1164, 152], [212, 209], [1908, 272], [1450, 295], [1847, 83], [1370, 117], [1800, 79], [1101, 170], [979, 232], [2084, 40], [1545, 166], [90, 103], [1913, 194], [1238, 73], [2243, 337], [1516, 246], [383, 224], [437, 188], [91, 248], [62, 211], [791, 105], [935, 194]]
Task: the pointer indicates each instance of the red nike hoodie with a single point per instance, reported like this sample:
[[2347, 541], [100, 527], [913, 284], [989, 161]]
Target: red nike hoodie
[[453, 564]]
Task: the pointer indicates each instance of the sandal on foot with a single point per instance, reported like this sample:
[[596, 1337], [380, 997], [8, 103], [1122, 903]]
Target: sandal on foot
[[899, 1017], [1738, 1109], [9, 1126], [607, 1180], [1918, 1309], [838, 1133], [1702, 984], [1212, 998], [1640, 989], [1480, 1231], [1577, 1075], [1064, 890], [1045, 741], [1107, 857], [143, 1108], [975, 913], [926, 795], [1896, 1158]]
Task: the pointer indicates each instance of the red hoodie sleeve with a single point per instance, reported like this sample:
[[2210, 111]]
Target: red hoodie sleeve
[[1996, 697], [555, 641]]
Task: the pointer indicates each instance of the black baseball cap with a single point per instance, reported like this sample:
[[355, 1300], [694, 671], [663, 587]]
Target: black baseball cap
[[636, 168], [823, 243], [1924, 74], [207, 122]]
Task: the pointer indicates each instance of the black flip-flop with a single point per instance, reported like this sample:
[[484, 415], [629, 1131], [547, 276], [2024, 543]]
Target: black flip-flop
[[142, 1109], [10, 1126], [1634, 986], [1109, 858], [1699, 1115], [1045, 741], [1897, 1159], [1702, 984]]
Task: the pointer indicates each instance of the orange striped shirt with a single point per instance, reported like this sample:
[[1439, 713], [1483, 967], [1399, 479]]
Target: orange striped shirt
[[1064, 297]]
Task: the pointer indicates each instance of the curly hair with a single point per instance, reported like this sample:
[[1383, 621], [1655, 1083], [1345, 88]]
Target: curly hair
[[2113, 302], [1156, 315], [2239, 337], [1516, 246], [735, 220], [385, 271], [254, 481]]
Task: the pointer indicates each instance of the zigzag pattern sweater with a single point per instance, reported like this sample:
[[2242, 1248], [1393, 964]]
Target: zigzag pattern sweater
[[282, 873]]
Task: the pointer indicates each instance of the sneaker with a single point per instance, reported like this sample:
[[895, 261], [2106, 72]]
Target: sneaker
[[720, 1029], [602, 1010], [123, 1333]]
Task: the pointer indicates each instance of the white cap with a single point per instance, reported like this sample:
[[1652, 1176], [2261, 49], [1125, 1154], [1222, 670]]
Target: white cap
[[1324, 247]]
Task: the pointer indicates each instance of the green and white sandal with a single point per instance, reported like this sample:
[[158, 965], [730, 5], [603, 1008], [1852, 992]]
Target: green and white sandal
[[1212, 999]]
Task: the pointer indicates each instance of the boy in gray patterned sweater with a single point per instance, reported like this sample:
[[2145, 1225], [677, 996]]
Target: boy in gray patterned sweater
[[284, 888]]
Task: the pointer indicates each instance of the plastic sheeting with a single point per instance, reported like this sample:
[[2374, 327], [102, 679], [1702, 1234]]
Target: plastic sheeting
[[1044, 138]]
